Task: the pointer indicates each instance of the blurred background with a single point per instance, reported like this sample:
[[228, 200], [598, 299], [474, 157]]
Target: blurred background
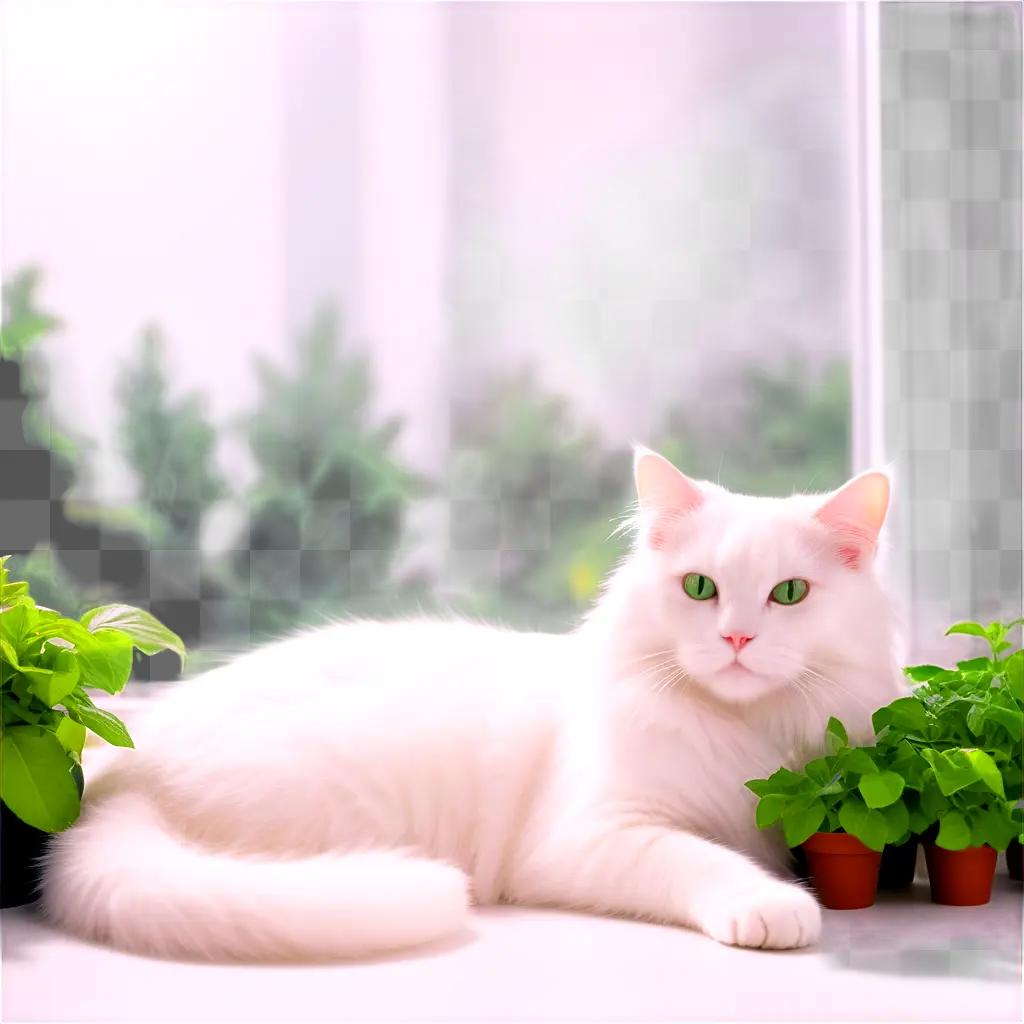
[[315, 310]]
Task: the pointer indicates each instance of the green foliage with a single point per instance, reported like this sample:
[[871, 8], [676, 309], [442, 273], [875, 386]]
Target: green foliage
[[24, 323], [47, 663], [169, 445], [960, 733], [539, 488], [49, 582], [23, 326], [790, 431], [949, 756], [330, 483], [850, 789]]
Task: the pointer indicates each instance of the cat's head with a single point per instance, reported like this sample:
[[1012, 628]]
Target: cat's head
[[746, 596]]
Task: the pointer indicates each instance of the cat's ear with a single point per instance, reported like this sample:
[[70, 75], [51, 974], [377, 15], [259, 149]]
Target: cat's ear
[[854, 515], [664, 494]]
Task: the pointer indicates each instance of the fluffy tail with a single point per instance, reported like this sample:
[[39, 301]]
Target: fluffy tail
[[120, 877]]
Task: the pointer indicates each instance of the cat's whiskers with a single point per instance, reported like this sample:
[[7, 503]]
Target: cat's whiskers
[[667, 655], [807, 693], [841, 687]]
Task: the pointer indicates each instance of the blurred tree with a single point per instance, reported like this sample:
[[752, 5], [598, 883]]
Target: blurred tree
[[58, 548], [24, 325], [791, 431], [538, 492], [326, 512], [169, 445]]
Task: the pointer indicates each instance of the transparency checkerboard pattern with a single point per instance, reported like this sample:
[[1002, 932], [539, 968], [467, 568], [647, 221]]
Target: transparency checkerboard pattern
[[951, 188]]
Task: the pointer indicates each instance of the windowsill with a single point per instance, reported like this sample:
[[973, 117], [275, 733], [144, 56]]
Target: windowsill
[[904, 959]]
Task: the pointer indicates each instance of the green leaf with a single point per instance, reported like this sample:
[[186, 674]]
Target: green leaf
[[106, 725], [880, 789], [920, 673], [992, 825], [71, 734], [16, 711], [835, 735], [907, 714], [897, 821], [968, 629], [8, 653], [933, 802], [800, 822], [995, 631], [15, 621], [49, 628], [976, 718], [1013, 670], [55, 677], [974, 665], [147, 632], [36, 783], [106, 660], [856, 759], [787, 781], [954, 832], [819, 770], [880, 720], [837, 729], [868, 825], [769, 810], [953, 771], [986, 770], [1011, 719]]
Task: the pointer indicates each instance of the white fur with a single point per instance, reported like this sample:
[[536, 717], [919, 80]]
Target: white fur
[[344, 791]]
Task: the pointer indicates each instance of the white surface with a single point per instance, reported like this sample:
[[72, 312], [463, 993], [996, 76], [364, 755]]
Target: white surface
[[904, 959]]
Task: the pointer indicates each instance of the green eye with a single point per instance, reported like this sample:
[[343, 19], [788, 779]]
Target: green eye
[[700, 588], [790, 591]]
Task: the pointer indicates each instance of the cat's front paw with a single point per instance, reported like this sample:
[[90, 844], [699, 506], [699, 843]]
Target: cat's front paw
[[766, 915]]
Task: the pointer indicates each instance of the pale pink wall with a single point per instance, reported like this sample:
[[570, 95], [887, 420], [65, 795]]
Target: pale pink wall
[[143, 171]]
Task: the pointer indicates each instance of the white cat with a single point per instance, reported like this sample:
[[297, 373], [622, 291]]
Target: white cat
[[352, 789]]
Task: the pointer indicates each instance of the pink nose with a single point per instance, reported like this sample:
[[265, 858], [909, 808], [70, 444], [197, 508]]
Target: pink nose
[[737, 641]]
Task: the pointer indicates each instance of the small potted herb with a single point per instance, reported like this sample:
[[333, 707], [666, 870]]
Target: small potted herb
[[964, 727], [47, 665], [964, 791], [841, 809]]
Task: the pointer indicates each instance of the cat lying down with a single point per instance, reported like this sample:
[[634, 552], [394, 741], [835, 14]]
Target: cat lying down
[[426, 765]]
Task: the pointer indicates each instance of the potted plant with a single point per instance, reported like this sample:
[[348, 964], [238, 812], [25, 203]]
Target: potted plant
[[959, 735], [47, 665], [841, 809]]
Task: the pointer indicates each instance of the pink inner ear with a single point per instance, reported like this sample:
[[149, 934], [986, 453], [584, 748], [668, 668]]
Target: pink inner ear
[[663, 529], [855, 545], [854, 515], [850, 556]]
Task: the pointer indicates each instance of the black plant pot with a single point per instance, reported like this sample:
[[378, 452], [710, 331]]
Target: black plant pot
[[799, 865], [898, 865], [1013, 860], [21, 846]]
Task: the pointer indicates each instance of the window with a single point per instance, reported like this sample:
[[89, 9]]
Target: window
[[360, 307]]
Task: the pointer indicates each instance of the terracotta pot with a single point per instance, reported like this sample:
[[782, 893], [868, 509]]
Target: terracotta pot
[[844, 872], [1013, 860], [899, 863], [961, 878]]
